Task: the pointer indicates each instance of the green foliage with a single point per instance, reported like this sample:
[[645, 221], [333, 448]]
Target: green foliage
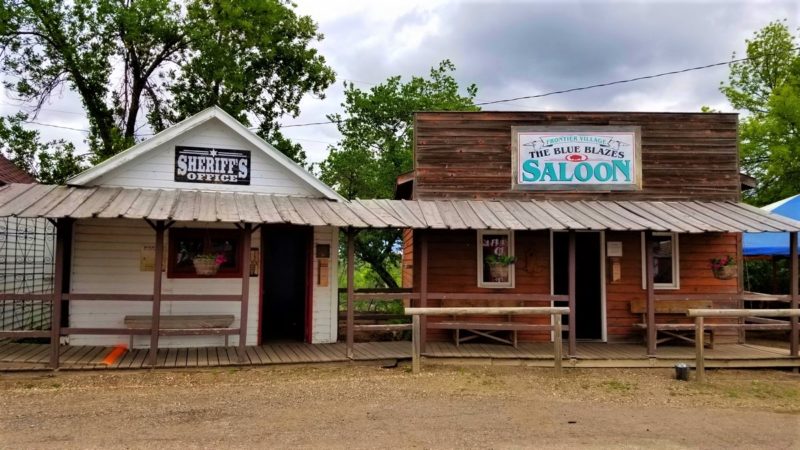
[[377, 145], [50, 162], [767, 88], [759, 275], [501, 260], [250, 57]]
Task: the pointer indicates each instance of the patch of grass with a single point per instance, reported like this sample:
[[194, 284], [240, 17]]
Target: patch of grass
[[619, 386]]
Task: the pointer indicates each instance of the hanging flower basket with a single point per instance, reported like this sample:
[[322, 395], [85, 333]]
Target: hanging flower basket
[[724, 268], [207, 265], [498, 271], [726, 272]]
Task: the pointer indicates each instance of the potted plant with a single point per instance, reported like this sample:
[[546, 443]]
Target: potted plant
[[724, 268], [498, 266], [208, 264]]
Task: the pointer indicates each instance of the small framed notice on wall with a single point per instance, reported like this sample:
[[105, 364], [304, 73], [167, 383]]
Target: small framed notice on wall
[[254, 261], [147, 258]]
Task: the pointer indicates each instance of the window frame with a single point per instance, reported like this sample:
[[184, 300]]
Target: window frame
[[676, 257], [207, 234], [511, 252]]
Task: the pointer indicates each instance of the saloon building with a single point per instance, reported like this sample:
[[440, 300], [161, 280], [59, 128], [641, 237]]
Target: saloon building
[[205, 236]]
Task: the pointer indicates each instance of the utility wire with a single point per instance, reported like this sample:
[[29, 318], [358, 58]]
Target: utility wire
[[525, 97]]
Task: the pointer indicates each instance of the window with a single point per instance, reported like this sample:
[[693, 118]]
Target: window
[[665, 261], [186, 243], [496, 259]]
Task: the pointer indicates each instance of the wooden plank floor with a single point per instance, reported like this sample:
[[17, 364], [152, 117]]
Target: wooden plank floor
[[15, 356]]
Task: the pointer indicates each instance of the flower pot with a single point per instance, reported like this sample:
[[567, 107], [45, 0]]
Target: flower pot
[[726, 272], [498, 272], [205, 266]]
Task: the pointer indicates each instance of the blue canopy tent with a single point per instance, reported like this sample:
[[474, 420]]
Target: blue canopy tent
[[773, 244]]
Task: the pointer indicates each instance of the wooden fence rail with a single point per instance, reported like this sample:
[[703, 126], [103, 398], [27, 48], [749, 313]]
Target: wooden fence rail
[[699, 327], [418, 313]]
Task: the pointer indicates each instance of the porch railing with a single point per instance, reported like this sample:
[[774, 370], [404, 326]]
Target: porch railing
[[418, 314], [699, 327]]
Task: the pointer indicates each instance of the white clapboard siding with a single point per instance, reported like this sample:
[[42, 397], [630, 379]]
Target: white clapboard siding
[[156, 168], [323, 315], [106, 257]]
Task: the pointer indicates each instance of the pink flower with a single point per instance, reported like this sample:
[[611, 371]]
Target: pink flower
[[220, 259]]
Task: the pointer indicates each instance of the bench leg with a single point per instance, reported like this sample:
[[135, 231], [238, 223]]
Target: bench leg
[[515, 338]]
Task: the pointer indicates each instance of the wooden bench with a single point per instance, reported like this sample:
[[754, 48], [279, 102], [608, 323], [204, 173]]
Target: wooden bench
[[187, 322], [673, 331], [487, 329]]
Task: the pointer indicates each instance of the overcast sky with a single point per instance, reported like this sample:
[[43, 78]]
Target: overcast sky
[[513, 49]]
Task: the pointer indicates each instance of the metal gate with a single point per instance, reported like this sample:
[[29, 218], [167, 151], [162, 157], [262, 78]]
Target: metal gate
[[26, 267]]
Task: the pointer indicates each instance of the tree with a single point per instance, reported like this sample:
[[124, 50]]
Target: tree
[[253, 58], [376, 147], [50, 162], [767, 87]]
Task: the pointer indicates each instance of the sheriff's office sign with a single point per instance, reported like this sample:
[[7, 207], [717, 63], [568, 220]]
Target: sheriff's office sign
[[212, 165], [578, 158]]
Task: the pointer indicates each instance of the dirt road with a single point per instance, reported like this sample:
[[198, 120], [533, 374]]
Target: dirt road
[[370, 407]]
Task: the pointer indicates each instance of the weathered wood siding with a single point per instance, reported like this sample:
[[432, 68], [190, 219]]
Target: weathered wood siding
[[408, 259], [468, 155], [106, 259], [453, 266], [156, 169]]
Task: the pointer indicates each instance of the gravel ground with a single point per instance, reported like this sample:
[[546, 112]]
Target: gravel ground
[[371, 407]]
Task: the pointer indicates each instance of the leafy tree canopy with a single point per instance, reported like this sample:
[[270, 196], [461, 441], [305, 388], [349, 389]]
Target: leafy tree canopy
[[377, 129], [767, 87], [50, 162], [158, 61]]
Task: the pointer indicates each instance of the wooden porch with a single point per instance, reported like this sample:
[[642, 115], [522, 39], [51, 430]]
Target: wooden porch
[[22, 357]]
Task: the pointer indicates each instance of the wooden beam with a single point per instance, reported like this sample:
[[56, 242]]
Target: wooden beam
[[157, 275], [699, 349], [423, 288], [572, 350], [557, 344], [651, 297], [351, 262], [245, 300], [794, 339], [415, 344], [63, 229], [487, 311]]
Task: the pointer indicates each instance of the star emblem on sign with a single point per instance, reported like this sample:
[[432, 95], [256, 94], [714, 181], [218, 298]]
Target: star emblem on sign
[[213, 153]]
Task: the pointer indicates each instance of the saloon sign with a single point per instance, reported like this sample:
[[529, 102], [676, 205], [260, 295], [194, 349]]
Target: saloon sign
[[212, 165], [588, 158]]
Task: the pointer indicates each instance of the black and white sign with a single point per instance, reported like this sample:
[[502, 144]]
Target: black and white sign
[[212, 165]]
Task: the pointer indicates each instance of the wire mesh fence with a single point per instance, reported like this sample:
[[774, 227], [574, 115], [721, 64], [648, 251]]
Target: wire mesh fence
[[26, 267]]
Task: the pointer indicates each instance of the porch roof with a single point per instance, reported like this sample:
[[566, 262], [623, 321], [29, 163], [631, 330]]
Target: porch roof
[[48, 201]]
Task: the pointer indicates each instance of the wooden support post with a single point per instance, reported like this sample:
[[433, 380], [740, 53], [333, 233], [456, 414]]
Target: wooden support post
[[651, 298], [699, 365], [156, 312], [793, 284], [571, 274], [423, 288], [245, 264], [62, 228], [415, 342], [351, 262], [557, 345]]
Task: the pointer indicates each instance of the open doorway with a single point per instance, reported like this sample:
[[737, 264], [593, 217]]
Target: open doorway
[[285, 283], [589, 281]]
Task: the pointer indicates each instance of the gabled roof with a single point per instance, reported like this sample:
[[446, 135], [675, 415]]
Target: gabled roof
[[9, 173], [87, 176]]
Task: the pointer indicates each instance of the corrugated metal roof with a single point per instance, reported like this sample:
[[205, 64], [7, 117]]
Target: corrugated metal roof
[[25, 200]]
